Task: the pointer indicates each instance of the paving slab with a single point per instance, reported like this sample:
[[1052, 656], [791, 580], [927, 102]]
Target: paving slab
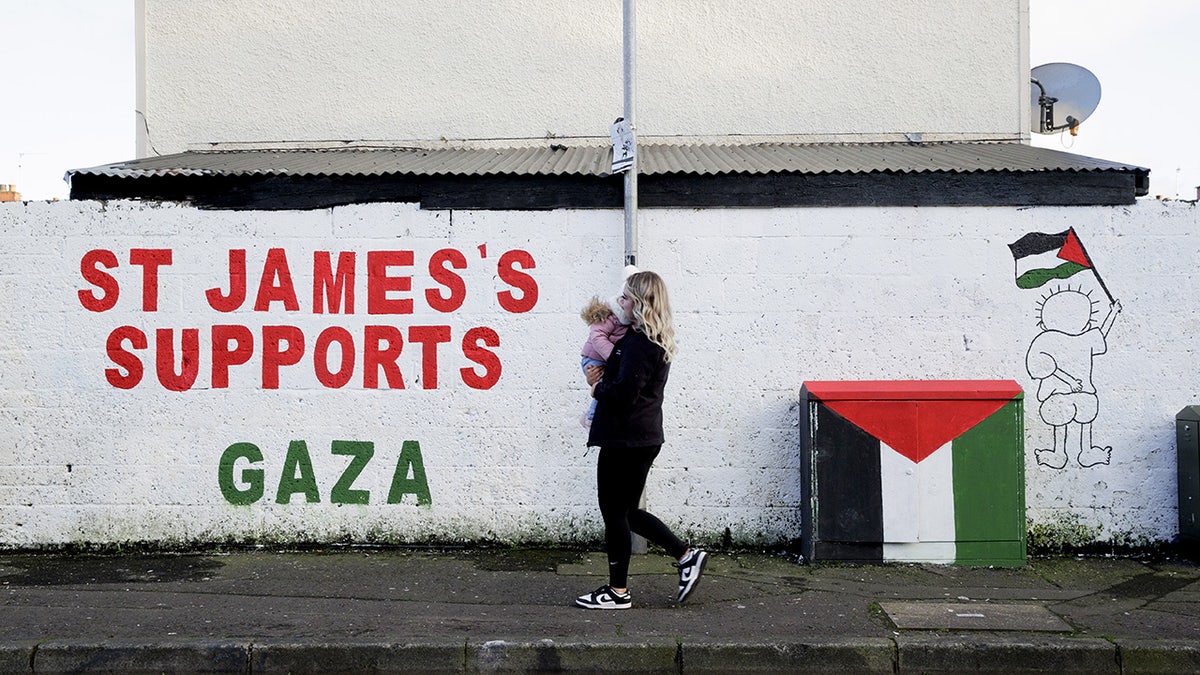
[[977, 616]]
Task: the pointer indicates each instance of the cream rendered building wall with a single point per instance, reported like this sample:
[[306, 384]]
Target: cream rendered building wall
[[831, 70], [764, 300]]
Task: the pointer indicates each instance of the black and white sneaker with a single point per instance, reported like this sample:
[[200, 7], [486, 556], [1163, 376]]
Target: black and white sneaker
[[689, 572], [604, 598]]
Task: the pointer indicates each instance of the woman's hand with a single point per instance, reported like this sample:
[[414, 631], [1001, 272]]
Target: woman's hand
[[593, 374]]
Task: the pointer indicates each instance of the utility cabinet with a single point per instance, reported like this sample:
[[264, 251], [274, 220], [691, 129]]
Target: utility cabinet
[[1187, 447], [914, 471]]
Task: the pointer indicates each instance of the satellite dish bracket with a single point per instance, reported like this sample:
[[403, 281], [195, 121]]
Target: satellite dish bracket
[[1046, 118]]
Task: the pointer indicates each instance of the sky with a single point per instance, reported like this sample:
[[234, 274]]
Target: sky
[[67, 92], [1147, 57], [68, 86]]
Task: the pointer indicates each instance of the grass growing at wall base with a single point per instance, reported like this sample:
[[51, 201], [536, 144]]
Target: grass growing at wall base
[[1068, 534]]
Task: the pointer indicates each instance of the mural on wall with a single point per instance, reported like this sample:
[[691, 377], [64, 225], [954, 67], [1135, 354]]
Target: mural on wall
[[333, 352], [397, 283], [168, 464], [1061, 356], [243, 480]]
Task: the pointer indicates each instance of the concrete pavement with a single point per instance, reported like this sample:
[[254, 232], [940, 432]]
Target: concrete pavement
[[480, 610]]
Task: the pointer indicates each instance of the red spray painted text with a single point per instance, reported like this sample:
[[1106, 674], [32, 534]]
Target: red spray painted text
[[389, 291]]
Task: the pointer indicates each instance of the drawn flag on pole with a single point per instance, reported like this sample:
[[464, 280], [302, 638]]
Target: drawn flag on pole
[[623, 145], [1041, 258]]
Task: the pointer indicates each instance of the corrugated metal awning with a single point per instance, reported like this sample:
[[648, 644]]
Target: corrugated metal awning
[[556, 159], [559, 173]]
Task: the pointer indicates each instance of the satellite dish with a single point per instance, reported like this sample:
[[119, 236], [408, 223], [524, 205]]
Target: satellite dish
[[1064, 95]]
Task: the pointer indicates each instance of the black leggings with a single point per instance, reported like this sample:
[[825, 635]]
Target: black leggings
[[620, 479]]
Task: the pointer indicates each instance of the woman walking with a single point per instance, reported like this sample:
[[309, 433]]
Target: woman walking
[[628, 429]]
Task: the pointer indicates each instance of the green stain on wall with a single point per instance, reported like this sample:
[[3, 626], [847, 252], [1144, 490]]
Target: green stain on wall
[[1066, 532]]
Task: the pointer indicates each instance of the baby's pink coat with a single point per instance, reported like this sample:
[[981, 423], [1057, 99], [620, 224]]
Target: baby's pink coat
[[601, 338]]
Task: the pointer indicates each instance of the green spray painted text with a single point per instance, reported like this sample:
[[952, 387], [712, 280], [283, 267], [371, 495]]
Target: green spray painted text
[[243, 481]]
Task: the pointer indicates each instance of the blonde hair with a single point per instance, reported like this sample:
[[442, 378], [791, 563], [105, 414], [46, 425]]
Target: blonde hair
[[595, 311], [652, 311]]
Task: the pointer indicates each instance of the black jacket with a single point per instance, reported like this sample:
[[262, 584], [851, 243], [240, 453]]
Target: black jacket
[[630, 395]]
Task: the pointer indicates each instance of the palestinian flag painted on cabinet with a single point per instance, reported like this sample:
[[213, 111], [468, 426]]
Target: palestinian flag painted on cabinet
[[922, 471]]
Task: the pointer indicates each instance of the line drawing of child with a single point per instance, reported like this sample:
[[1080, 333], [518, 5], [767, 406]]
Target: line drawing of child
[[1060, 358], [605, 329]]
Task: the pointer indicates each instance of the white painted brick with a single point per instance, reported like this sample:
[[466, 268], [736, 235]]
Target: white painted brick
[[764, 300]]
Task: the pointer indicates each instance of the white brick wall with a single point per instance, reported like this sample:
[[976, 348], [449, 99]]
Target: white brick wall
[[764, 300]]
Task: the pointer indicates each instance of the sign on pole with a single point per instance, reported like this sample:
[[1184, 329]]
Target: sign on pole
[[623, 146]]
